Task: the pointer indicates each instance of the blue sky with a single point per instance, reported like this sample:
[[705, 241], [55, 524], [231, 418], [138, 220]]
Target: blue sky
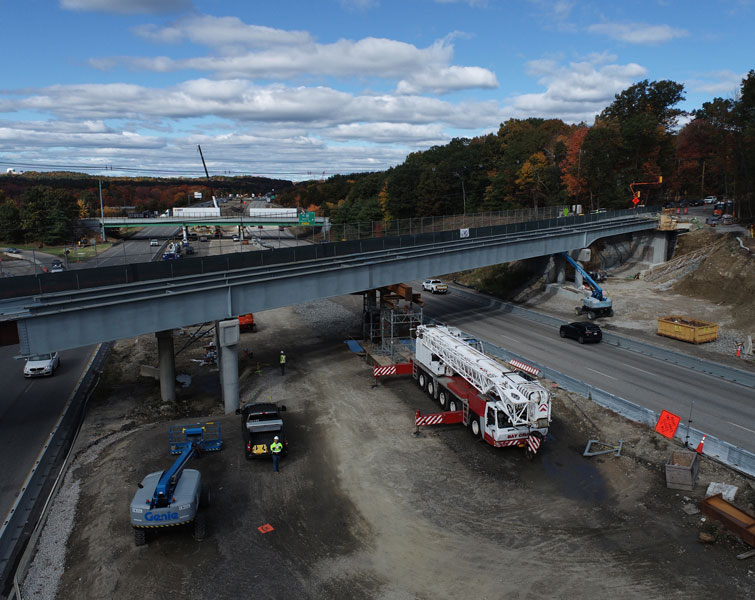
[[295, 89]]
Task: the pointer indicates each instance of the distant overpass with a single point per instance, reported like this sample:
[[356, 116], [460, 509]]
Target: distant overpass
[[221, 221], [183, 293]]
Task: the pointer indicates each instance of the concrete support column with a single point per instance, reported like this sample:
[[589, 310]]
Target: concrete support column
[[659, 246], [228, 362], [167, 365]]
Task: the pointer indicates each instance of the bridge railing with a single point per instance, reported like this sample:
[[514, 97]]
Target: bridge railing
[[455, 229]]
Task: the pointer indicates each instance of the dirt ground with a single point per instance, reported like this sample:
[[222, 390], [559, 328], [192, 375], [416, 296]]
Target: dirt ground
[[364, 509]]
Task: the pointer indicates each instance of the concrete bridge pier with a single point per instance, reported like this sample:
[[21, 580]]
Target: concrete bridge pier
[[167, 365], [227, 333]]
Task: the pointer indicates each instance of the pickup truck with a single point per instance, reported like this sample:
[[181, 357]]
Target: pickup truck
[[436, 286], [260, 423]]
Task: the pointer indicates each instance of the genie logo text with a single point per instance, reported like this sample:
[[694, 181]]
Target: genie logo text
[[167, 516]]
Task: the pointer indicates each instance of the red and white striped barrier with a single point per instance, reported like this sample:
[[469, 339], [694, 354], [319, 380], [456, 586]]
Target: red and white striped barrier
[[445, 418], [518, 364], [533, 443], [400, 369]]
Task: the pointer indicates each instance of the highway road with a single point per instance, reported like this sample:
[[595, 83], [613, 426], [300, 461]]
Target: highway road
[[720, 408], [29, 409]]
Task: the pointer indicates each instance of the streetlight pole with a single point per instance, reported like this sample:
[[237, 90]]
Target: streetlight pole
[[102, 214]]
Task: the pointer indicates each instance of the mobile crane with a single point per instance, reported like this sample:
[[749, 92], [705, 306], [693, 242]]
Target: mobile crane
[[500, 406], [173, 497], [597, 304]]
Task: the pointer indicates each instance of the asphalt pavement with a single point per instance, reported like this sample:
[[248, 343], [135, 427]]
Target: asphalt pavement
[[716, 406], [29, 409]]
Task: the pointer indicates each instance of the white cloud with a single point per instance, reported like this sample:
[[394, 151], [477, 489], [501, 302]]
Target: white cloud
[[221, 32], [449, 79], [368, 57], [716, 82], [128, 7], [242, 102], [576, 92], [638, 33], [390, 133]]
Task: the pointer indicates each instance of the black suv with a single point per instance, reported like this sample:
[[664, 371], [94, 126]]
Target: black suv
[[582, 331], [260, 423]]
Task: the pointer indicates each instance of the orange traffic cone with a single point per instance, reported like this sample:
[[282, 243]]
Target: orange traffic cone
[[739, 351], [700, 445]]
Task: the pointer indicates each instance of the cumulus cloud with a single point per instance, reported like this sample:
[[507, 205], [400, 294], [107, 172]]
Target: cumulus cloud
[[221, 32], [575, 92], [128, 7], [389, 133], [448, 79], [638, 33], [240, 101]]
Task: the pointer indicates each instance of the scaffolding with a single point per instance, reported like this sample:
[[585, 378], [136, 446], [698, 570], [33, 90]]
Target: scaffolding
[[387, 326]]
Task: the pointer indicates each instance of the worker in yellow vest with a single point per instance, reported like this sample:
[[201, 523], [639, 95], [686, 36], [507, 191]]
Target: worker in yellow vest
[[283, 362], [276, 448]]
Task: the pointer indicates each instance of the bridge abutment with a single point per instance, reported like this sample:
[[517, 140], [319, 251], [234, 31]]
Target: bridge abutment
[[167, 365]]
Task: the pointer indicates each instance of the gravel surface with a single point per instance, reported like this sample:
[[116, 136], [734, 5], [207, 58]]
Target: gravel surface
[[48, 565]]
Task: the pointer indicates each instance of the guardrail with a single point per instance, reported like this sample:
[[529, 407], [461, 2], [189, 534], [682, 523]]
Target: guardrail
[[729, 454], [678, 358], [22, 521], [30, 285]]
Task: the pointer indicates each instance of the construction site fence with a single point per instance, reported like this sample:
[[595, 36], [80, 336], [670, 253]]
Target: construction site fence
[[397, 236]]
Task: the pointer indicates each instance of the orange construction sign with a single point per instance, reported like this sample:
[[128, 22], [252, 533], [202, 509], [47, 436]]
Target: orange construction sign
[[667, 424], [266, 528]]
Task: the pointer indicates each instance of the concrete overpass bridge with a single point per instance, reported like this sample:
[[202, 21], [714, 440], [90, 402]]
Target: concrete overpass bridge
[[158, 297], [239, 220]]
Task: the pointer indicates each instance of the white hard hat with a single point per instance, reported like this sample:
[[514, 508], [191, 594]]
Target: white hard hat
[[276, 437]]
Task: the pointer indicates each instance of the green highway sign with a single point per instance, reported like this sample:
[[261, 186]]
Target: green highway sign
[[307, 218]]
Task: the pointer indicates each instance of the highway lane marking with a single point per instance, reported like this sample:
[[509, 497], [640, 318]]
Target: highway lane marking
[[740, 426], [641, 370], [599, 373]]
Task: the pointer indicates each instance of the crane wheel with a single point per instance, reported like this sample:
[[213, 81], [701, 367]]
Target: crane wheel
[[452, 405], [590, 315], [474, 425], [443, 398], [422, 380], [431, 388], [200, 527], [140, 536]]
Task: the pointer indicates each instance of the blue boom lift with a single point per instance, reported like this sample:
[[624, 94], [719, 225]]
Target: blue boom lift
[[173, 497], [597, 304]]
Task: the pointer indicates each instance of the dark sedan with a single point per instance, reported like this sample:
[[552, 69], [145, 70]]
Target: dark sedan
[[582, 331]]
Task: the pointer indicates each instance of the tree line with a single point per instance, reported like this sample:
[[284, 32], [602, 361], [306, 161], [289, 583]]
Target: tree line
[[44, 208], [641, 137]]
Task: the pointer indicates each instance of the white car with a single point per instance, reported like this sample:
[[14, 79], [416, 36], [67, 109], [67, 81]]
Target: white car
[[41, 365], [710, 200], [154, 243], [436, 286]]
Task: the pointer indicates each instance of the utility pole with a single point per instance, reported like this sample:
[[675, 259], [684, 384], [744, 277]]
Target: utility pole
[[102, 214]]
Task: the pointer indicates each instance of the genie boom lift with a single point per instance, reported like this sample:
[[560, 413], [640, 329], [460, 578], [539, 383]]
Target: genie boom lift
[[597, 304], [173, 497]]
